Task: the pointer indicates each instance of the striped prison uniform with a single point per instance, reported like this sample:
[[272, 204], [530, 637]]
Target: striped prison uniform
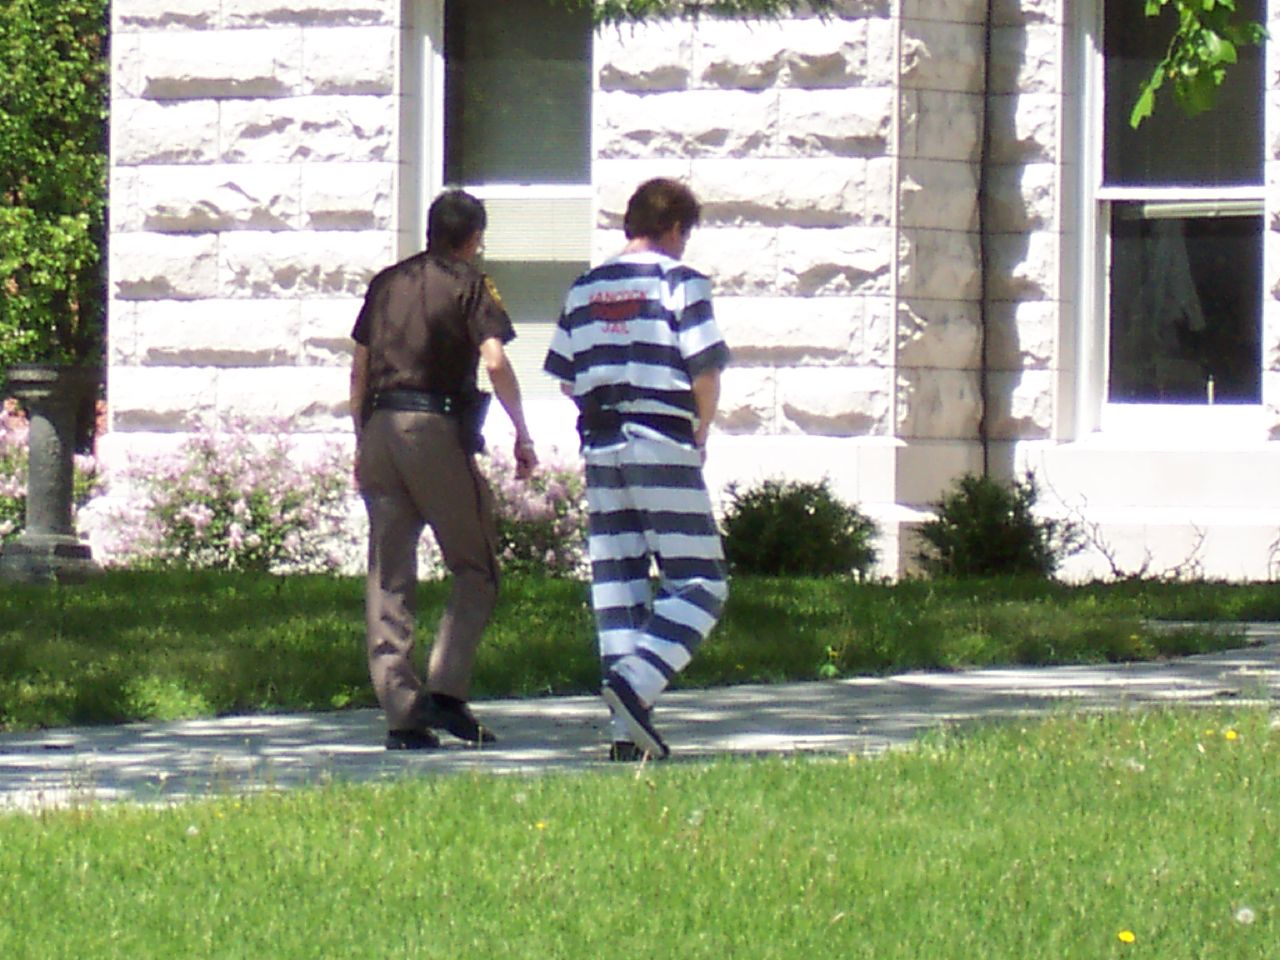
[[634, 333]]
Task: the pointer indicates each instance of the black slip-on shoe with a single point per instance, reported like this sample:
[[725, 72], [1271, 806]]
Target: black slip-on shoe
[[622, 698], [412, 740], [453, 716], [624, 751]]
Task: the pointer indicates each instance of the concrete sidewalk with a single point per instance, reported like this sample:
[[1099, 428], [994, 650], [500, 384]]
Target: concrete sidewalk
[[149, 763]]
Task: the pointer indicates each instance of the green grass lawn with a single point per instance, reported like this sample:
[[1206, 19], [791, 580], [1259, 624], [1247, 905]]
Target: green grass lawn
[[1051, 840], [134, 645]]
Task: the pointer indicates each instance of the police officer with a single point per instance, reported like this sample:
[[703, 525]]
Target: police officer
[[425, 326]]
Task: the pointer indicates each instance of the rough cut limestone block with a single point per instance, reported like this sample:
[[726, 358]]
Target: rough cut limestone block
[[815, 192], [882, 53], [311, 13], [123, 342], [938, 404], [939, 334], [271, 266], [873, 343], [326, 330], [881, 195], [740, 55], [129, 15], [616, 180], [221, 63], [348, 196], [349, 60], [747, 400], [1023, 197], [218, 197], [940, 125], [1022, 334], [144, 132], [939, 193], [122, 194], [835, 401], [947, 11], [1024, 266], [217, 333], [645, 57], [161, 398], [820, 262], [1024, 128], [835, 54], [1027, 59], [693, 123], [1021, 404], [942, 56], [309, 129], [938, 264], [801, 330], [844, 123], [153, 266], [126, 66], [309, 399], [742, 261]]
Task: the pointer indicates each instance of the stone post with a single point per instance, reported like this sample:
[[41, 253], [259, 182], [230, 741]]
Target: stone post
[[48, 549]]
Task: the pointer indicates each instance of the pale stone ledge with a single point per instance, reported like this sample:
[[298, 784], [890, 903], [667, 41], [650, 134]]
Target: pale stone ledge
[[742, 261], [336, 13], [939, 194], [217, 333], [1023, 197], [152, 266], [947, 11], [221, 63], [1021, 404], [1024, 128], [940, 125], [938, 265], [835, 262], [285, 266], [853, 122], [326, 330], [942, 56], [645, 57], [1027, 59], [218, 197], [1024, 266], [310, 399], [747, 400], [939, 334], [835, 401], [789, 329], [349, 60], [616, 180], [817, 192], [938, 404], [693, 123], [348, 196], [161, 398], [175, 15], [309, 129], [144, 132], [1022, 334]]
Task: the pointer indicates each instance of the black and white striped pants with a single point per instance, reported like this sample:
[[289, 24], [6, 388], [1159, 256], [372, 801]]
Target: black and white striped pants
[[648, 505]]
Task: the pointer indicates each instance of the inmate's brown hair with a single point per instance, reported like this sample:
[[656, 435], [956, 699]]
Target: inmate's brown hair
[[657, 206]]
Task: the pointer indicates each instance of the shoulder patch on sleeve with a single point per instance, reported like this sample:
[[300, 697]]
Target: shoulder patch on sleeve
[[493, 291]]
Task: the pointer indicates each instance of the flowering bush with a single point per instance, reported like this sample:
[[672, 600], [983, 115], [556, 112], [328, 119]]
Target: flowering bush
[[233, 501], [542, 521], [14, 431]]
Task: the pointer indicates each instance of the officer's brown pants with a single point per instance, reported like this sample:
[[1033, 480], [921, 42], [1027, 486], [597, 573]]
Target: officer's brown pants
[[413, 472]]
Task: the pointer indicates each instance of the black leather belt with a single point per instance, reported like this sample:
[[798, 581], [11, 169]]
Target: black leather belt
[[419, 401]]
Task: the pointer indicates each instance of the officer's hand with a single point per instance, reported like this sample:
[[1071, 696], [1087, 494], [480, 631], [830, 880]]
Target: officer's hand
[[526, 459]]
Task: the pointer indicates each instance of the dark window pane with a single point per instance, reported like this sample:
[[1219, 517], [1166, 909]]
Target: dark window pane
[[1222, 147], [517, 92], [1186, 306]]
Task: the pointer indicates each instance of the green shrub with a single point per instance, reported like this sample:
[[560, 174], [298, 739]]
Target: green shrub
[[790, 528], [983, 529]]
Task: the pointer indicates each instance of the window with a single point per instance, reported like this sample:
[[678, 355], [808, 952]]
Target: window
[[1179, 209], [517, 134]]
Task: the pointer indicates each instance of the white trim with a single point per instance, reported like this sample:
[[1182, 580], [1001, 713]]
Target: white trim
[[1190, 426], [1243, 194]]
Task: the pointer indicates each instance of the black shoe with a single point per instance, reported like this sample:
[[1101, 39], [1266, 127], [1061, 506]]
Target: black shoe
[[624, 751], [444, 712], [618, 694], [412, 740]]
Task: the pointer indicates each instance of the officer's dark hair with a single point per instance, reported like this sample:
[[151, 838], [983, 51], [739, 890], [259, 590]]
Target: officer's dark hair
[[657, 206], [454, 217]]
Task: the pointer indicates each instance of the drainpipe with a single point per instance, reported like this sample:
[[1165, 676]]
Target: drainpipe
[[984, 186]]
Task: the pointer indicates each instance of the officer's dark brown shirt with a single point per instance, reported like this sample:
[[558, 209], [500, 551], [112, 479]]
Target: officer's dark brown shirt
[[423, 321]]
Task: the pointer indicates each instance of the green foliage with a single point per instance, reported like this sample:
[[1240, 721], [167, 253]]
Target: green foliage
[[1202, 47], [790, 528], [53, 162], [985, 529]]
